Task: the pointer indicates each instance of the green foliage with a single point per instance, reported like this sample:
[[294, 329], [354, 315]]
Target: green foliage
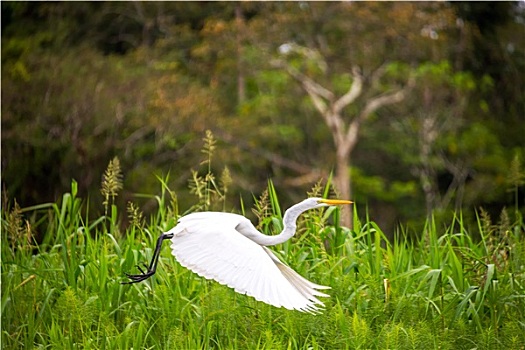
[[452, 288], [206, 188], [135, 216], [18, 236], [377, 187], [111, 182]]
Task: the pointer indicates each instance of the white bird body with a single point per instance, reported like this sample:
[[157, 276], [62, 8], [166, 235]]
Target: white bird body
[[227, 248], [214, 246]]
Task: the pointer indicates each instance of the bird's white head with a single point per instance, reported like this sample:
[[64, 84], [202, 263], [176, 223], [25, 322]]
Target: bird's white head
[[291, 215], [310, 203]]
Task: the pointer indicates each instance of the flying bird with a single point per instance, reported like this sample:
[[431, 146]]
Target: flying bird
[[227, 248]]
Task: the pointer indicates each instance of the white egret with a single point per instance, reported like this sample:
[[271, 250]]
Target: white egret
[[227, 248]]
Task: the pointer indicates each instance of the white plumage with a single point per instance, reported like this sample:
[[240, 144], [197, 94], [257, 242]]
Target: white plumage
[[228, 249], [210, 245]]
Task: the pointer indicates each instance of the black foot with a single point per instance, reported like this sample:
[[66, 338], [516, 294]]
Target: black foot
[[141, 270], [141, 277], [149, 270]]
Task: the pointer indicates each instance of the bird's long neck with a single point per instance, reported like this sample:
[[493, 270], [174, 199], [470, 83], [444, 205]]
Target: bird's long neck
[[289, 225]]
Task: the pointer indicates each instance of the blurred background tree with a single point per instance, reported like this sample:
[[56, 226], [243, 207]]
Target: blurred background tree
[[84, 82]]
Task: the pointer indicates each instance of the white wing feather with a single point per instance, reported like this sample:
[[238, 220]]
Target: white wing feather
[[209, 245]]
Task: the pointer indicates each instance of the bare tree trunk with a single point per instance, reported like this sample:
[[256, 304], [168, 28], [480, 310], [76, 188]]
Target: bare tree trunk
[[344, 133], [342, 181]]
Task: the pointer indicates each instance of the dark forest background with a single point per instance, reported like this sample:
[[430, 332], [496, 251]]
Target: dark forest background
[[417, 108]]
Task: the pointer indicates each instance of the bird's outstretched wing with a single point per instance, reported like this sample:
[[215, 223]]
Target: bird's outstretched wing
[[209, 245]]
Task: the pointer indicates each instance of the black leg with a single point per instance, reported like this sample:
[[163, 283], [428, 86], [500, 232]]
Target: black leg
[[153, 265]]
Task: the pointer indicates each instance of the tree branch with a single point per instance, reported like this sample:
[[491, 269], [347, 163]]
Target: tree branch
[[304, 80], [318, 102], [270, 156], [305, 179], [353, 93], [375, 103]]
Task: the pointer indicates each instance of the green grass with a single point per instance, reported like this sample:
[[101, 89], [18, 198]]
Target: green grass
[[448, 289]]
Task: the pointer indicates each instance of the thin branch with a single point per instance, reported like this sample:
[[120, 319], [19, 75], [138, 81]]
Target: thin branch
[[272, 157], [375, 103], [318, 102], [304, 80], [353, 93], [305, 179], [377, 74]]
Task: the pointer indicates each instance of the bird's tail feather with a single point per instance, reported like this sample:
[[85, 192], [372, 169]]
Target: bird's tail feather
[[308, 289]]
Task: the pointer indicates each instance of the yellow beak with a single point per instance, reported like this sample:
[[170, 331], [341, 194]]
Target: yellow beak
[[335, 201]]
